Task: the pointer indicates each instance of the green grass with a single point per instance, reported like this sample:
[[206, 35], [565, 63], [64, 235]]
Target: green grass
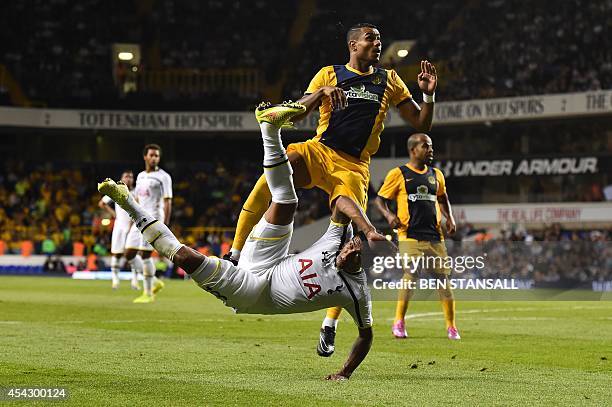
[[188, 349]]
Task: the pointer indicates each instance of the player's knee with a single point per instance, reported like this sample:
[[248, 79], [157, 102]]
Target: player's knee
[[188, 259], [130, 254]]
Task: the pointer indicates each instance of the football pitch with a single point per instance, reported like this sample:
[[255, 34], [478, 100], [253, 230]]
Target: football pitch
[[189, 349]]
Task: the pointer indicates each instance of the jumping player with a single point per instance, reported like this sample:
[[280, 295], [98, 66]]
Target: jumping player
[[353, 102]]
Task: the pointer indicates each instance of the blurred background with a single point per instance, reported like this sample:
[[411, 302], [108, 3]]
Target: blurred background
[[523, 126]]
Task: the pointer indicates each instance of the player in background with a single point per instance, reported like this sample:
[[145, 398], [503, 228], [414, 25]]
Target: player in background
[[154, 192], [267, 280], [353, 100], [420, 193], [121, 227]]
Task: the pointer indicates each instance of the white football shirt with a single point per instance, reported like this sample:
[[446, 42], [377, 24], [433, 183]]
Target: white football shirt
[[151, 190], [122, 219], [310, 281]]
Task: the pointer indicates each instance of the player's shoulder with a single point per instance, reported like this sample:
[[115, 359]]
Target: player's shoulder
[[391, 73], [329, 68], [163, 173], [395, 172], [341, 227], [437, 171]]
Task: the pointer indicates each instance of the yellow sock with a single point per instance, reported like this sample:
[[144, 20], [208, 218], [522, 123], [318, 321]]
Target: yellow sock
[[448, 306], [253, 209], [403, 298], [334, 312]]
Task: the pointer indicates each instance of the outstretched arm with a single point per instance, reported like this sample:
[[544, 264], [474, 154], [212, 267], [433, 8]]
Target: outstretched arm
[[420, 117], [106, 208], [345, 210], [360, 350], [314, 100]]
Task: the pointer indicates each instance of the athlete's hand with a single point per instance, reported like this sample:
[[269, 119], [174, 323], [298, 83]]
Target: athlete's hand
[[393, 221], [374, 236], [336, 96], [386, 248], [336, 377], [451, 226], [428, 78]]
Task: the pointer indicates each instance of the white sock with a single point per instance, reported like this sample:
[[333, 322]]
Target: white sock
[[274, 152], [277, 170], [153, 230], [115, 270], [149, 274], [134, 277], [136, 265], [235, 253], [332, 323]]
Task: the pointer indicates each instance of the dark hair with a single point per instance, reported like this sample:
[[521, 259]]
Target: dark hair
[[356, 29], [127, 172], [151, 147]]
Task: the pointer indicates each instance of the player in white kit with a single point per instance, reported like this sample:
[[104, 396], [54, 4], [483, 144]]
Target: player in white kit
[[121, 228], [267, 280], [154, 192]]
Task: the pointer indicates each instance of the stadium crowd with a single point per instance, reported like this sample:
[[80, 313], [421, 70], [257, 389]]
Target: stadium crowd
[[549, 255], [485, 49]]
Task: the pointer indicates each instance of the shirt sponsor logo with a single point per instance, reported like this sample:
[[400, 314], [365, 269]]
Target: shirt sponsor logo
[[422, 195], [359, 92], [313, 288]]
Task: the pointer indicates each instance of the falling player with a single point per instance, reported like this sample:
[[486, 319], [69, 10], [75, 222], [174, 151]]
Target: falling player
[[420, 193], [154, 192], [267, 280], [121, 227]]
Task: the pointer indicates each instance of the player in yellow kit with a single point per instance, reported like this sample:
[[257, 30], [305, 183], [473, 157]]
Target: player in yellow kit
[[353, 101], [420, 193]]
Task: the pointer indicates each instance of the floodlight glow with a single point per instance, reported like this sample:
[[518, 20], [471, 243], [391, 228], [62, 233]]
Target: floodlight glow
[[402, 53], [125, 56], [105, 222]]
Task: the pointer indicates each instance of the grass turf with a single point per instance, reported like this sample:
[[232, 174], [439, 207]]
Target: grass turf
[[188, 349]]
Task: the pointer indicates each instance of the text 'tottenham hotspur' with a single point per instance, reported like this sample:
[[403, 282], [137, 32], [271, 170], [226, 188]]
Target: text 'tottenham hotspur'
[[412, 264]]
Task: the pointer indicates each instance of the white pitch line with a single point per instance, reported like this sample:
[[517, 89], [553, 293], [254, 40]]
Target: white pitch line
[[425, 315], [315, 317]]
